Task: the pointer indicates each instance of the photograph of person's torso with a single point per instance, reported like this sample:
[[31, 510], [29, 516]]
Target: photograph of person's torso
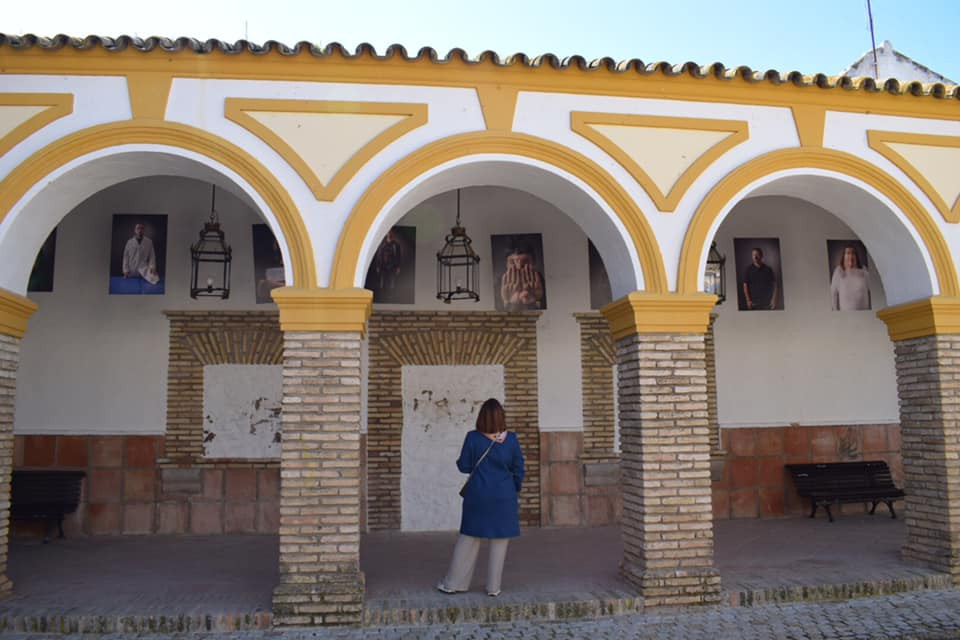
[[138, 249]]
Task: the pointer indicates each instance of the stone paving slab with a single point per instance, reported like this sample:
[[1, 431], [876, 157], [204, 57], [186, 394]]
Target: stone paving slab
[[225, 582], [926, 615]]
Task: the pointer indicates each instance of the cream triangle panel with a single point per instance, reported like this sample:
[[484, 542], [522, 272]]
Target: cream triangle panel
[[664, 154], [930, 161], [21, 114], [326, 142], [938, 164], [13, 117]]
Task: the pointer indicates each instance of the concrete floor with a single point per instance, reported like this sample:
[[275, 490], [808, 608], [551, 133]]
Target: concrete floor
[[231, 574]]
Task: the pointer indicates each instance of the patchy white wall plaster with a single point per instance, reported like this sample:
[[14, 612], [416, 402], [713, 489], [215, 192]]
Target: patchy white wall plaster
[[440, 405], [241, 410]]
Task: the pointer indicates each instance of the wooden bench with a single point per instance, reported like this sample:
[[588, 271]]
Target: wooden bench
[[48, 495], [837, 482]]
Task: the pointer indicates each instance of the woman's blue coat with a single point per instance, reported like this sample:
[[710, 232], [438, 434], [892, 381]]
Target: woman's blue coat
[[490, 506]]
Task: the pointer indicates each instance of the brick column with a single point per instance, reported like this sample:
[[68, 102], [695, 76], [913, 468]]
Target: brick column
[[667, 524], [14, 312], [717, 455], [926, 337], [320, 474]]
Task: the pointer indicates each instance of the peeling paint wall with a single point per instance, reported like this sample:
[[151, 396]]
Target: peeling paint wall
[[241, 410], [440, 405]]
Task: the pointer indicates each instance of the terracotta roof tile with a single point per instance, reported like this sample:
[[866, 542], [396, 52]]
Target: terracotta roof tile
[[716, 70]]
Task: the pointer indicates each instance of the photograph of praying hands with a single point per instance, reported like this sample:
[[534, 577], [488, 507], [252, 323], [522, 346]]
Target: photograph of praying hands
[[522, 285]]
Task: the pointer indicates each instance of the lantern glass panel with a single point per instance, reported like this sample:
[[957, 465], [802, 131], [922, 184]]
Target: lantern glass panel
[[714, 275]]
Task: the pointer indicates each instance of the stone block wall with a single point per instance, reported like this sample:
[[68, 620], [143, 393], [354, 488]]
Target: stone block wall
[[398, 338], [578, 490], [130, 490], [755, 484]]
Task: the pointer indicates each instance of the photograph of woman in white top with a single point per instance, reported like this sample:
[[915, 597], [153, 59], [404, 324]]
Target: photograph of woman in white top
[[849, 285]]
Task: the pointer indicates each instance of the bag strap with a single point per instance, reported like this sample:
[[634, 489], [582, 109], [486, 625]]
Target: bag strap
[[474, 470]]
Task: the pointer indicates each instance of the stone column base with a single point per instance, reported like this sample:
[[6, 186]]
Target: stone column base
[[929, 552], [674, 588], [337, 600]]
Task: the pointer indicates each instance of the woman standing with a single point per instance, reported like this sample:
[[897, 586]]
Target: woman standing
[[492, 457], [849, 290]]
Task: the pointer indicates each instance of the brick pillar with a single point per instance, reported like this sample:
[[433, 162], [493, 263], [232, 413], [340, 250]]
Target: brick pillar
[[717, 455], [667, 523], [926, 337], [320, 473], [14, 312]]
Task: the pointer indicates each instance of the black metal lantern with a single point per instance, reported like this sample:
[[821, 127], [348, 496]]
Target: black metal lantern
[[457, 265], [714, 276], [210, 258]]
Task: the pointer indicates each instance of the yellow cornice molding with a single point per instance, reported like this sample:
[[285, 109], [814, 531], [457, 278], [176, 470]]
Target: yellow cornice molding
[[370, 204], [581, 121], [695, 241], [367, 69], [415, 115], [116, 134], [937, 315], [499, 105], [341, 310], [878, 141], [15, 311], [58, 105], [667, 313], [810, 121]]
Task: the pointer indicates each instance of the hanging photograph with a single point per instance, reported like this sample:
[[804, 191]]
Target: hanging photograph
[[138, 251], [518, 272], [391, 272], [600, 294], [267, 263], [759, 274], [41, 277], [849, 278]]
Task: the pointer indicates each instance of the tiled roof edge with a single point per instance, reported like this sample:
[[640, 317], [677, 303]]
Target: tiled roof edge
[[715, 70]]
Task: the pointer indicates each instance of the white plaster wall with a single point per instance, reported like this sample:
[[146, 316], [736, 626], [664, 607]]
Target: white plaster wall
[[487, 211], [440, 405], [96, 363], [806, 364], [241, 410]]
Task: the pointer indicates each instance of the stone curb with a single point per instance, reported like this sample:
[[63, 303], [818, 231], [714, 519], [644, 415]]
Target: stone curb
[[842, 591], [99, 624], [387, 614], [374, 616]]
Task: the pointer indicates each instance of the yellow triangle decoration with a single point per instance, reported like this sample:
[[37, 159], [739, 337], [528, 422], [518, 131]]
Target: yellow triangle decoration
[[664, 154], [22, 114], [930, 161], [326, 142]]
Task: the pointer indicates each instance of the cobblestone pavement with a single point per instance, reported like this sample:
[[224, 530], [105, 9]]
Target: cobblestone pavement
[[921, 614]]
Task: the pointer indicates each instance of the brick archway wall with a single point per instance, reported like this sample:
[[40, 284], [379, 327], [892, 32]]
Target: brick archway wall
[[398, 338]]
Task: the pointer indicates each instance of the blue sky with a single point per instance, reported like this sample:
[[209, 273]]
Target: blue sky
[[809, 36]]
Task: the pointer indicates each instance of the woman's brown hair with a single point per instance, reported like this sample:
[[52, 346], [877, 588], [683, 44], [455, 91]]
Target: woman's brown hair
[[491, 418]]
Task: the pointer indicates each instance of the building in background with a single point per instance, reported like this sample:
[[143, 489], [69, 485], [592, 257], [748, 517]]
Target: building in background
[[178, 408]]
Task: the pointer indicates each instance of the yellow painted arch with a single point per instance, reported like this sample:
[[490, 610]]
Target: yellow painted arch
[[695, 241], [364, 213], [80, 143]]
